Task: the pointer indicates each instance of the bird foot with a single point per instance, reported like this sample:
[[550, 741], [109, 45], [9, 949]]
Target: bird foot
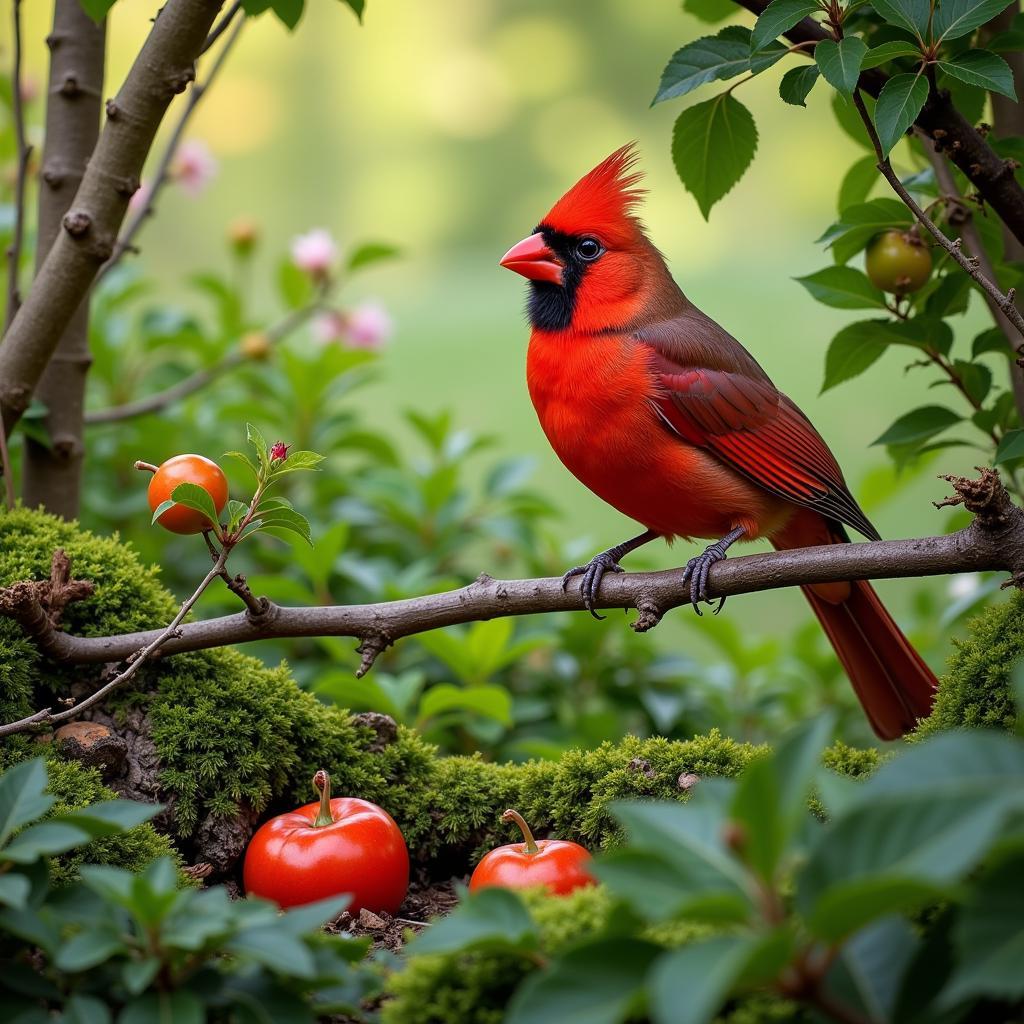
[[696, 574], [592, 573]]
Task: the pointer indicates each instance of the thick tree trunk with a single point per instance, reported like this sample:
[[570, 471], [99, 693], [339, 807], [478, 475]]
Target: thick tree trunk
[[164, 67], [52, 476]]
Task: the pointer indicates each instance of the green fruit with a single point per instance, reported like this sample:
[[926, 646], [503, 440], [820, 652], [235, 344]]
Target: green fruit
[[898, 262]]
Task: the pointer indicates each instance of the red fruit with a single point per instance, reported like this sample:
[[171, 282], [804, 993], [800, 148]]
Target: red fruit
[[558, 864], [324, 849], [187, 469]]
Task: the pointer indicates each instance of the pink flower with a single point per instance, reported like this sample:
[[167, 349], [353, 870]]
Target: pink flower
[[369, 326], [279, 451], [140, 197], [194, 166], [315, 252]]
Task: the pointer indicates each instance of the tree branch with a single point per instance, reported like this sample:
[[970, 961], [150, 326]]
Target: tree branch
[[201, 378], [990, 174], [968, 265], [994, 541], [218, 30], [125, 242], [164, 67], [52, 474], [24, 151]]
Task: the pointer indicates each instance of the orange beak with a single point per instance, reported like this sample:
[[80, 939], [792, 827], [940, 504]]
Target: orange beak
[[534, 260]]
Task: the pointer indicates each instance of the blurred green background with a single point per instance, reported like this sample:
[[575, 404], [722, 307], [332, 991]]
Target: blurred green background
[[449, 129]]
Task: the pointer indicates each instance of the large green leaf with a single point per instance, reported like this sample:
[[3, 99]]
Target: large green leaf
[[797, 83], [491, 918], [899, 103], [918, 426], [956, 18], [982, 68], [288, 11], [489, 700], [886, 52], [704, 60], [855, 348], [22, 796], [43, 840], [111, 817], [843, 288], [840, 62], [911, 15], [596, 983], [195, 497], [859, 223], [1011, 446], [712, 145], [778, 17], [989, 936]]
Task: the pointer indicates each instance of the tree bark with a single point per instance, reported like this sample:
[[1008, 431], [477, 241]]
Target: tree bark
[[51, 477], [164, 67]]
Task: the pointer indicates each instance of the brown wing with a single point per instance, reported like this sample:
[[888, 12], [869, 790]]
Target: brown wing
[[717, 397]]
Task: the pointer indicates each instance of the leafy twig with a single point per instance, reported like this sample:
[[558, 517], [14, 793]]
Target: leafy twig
[[24, 152], [1003, 302], [126, 240]]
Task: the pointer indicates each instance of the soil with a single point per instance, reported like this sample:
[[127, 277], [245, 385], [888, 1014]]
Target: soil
[[425, 900]]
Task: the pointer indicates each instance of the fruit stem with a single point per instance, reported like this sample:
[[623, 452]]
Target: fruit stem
[[147, 466], [322, 784], [531, 843]]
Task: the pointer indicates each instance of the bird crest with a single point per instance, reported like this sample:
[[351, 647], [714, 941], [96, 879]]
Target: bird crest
[[602, 201]]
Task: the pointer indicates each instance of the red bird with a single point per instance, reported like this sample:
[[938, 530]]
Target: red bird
[[667, 417]]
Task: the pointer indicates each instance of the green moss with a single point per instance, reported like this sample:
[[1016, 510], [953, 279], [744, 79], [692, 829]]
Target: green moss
[[854, 762], [975, 691]]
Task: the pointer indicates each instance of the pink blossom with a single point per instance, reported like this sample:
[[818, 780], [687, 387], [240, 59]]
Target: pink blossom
[[279, 451], [194, 166], [315, 252], [368, 326], [140, 197]]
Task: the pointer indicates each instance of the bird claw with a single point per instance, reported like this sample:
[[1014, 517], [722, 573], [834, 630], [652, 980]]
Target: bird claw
[[696, 574], [592, 573]]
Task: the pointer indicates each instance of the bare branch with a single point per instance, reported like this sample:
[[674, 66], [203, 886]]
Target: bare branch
[[993, 542], [24, 151], [201, 378], [126, 241], [218, 30], [1003, 302]]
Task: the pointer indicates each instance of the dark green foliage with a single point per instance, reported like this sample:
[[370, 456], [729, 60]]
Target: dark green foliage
[[854, 762], [975, 691]]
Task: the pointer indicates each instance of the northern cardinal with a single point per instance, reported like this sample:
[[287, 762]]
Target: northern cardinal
[[667, 417]]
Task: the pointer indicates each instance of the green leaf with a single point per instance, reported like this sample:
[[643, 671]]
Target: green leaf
[[87, 949], [370, 252], [160, 510], [596, 983], [840, 62], [357, 7], [857, 182], [870, 967], [989, 939], [22, 796], [981, 68], [178, 1007], [236, 513], [899, 103], [956, 18], [271, 946], [919, 425], [711, 12], [198, 498], [82, 1009], [860, 223], [843, 288], [848, 118], [243, 458], [976, 379], [14, 890], [491, 918], [491, 701], [992, 340], [1011, 446], [771, 795], [97, 9], [690, 985], [707, 59], [257, 440], [46, 839], [797, 83], [286, 519], [288, 11], [137, 974], [886, 52], [712, 145], [911, 15], [298, 460], [778, 17], [111, 817]]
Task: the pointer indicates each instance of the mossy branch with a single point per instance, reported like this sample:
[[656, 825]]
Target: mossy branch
[[994, 541]]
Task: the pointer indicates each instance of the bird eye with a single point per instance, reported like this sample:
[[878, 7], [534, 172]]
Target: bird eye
[[589, 249]]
